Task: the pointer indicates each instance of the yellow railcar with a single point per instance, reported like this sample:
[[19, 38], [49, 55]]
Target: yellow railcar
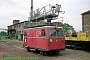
[[80, 41]]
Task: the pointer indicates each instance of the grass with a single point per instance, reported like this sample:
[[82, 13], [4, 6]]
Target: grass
[[6, 38]]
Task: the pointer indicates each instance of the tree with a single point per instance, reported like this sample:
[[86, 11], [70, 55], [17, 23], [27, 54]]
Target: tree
[[36, 13], [67, 27], [69, 30], [3, 33]]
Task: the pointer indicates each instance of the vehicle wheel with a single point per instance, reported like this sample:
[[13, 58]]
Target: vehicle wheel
[[57, 52], [45, 53], [36, 51], [41, 52], [28, 50]]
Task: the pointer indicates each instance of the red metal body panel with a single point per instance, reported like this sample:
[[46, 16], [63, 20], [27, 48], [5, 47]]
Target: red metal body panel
[[57, 43], [34, 39]]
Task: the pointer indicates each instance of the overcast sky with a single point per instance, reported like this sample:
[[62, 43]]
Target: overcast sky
[[19, 9]]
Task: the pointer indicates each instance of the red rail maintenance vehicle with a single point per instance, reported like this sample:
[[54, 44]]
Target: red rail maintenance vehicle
[[45, 37]]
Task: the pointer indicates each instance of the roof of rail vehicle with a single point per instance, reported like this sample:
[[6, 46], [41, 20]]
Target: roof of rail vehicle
[[44, 26]]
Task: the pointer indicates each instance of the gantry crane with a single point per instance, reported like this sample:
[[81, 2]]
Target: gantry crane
[[48, 12]]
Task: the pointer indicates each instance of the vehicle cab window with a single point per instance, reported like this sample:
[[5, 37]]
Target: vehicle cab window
[[56, 33], [43, 33], [60, 33]]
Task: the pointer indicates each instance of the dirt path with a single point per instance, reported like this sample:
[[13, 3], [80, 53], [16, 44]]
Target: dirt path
[[14, 49]]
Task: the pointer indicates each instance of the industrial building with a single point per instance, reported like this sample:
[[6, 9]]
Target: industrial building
[[18, 28], [86, 21]]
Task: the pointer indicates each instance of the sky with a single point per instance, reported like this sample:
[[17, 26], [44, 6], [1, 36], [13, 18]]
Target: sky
[[19, 10]]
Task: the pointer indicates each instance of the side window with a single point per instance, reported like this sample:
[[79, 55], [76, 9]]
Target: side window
[[25, 34], [43, 33]]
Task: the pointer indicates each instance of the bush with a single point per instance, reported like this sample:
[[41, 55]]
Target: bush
[[16, 36], [3, 37]]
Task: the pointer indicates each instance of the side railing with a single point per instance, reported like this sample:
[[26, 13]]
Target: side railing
[[48, 9]]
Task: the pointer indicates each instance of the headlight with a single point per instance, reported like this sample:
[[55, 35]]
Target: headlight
[[50, 40]]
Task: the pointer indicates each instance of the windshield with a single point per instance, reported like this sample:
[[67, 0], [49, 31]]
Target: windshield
[[56, 32]]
